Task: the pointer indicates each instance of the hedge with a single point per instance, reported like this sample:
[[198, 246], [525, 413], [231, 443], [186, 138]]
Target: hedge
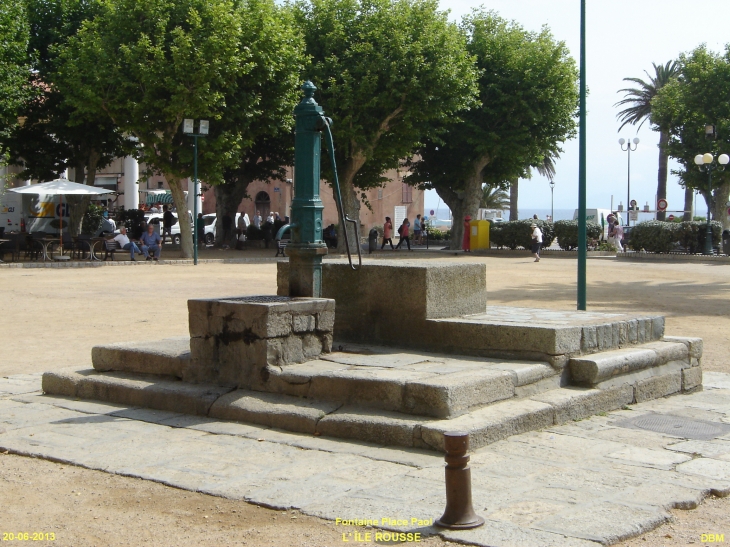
[[662, 237], [517, 233], [567, 233]]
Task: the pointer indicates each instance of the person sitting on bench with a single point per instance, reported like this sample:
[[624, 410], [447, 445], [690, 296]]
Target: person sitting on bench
[[151, 242], [126, 244]]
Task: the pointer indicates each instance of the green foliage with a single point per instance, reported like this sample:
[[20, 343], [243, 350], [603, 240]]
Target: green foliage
[[567, 233], [640, 98], [385, 69], [663, 237], [132, 220], [14, 71], [606, 247], [517, 233], [528, 93], [92, 219], [494, 197]]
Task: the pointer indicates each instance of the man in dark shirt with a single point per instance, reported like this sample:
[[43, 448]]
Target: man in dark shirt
[[168, 221]]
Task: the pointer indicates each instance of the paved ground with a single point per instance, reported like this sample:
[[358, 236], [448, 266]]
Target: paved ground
[[586, 480]]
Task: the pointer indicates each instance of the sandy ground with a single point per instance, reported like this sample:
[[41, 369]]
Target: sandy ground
[[52, 318]]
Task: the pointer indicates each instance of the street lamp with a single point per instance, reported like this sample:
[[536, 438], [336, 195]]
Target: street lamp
[[628, 150], [552, 201], [188, 129], [706, 163]]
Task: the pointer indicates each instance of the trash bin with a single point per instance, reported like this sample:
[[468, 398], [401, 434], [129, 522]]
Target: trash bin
[[726, 242], [479, 236], [372, 240]]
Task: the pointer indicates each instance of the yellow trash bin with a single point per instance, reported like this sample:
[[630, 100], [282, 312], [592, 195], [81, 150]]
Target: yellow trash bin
[[479, 236]]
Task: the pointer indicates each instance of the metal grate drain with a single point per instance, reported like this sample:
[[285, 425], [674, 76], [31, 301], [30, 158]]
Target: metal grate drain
[[676, 426], [260, 299]]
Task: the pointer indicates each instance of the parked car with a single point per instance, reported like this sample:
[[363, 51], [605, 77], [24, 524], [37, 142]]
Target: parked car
[[156, 218], [210, 226]]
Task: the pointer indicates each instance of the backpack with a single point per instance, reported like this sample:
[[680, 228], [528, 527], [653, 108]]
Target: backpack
[[400, 230]]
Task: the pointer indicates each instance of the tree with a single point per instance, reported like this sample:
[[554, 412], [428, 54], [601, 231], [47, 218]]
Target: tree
[[528, 90], [640, 110], [148, 65], [686, 105], [14, 69], [494, 197], [386, 71]]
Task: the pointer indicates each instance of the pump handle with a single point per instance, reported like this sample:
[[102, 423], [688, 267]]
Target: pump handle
[[338, 198]]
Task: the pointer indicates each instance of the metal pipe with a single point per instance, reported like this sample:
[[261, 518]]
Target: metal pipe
[[459, 513]]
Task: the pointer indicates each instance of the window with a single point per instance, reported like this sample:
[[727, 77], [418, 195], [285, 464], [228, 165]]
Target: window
[[380, 193], [407, 193]]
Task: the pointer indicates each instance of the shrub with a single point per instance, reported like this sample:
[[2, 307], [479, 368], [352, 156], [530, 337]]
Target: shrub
[[92, 219], [662, 237], [517, 233], [567, 233], [254, 233]]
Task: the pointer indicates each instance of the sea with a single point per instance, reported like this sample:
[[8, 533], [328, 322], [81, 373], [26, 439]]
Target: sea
[[443, 215]]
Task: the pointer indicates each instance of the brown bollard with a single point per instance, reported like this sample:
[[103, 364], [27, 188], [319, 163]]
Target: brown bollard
[[459, 513]]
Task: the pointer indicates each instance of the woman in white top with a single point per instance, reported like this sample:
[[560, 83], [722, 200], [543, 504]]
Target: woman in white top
[[536, 241]]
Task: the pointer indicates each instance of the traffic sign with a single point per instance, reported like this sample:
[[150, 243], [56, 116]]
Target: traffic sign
[[662, 205], [633, 204], [432, 212], [670, 218], [634, 215]]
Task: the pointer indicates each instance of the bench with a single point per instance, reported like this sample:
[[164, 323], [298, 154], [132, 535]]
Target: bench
[[281, 245], [110, 247]]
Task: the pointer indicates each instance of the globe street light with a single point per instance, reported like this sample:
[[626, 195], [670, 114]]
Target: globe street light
[[552, 201], [706, 163], [188, 129], [628, 150]]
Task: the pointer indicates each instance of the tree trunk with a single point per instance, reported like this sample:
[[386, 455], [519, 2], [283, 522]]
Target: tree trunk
[[181, 204], [661, 189], [689, 194], [465, 202], [228, 197], [350, 203], [79, 204], [513, 193]]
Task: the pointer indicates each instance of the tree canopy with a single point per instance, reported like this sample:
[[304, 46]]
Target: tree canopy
[[689, 103], [14, 69], [148, 65], [386, 71], [528, 94]]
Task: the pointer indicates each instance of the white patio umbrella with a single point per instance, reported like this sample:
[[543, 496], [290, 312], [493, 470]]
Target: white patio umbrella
[[60, 187]]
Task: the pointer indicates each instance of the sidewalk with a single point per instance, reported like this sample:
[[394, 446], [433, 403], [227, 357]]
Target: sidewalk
[[596, 480]]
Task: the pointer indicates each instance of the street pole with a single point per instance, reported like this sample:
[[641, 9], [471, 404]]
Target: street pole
[[582, 239], [195, 202], [628, 188], [552, 201]]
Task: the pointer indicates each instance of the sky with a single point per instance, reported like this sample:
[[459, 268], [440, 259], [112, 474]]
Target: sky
[[623, 39]]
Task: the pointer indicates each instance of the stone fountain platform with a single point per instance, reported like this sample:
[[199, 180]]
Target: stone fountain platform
[[425, 369]]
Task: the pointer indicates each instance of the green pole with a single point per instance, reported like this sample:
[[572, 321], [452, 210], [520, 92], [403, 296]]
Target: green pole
[[708, 232], [582, 240], [195, 202]]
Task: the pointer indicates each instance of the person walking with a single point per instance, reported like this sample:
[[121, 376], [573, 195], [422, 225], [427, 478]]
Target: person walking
[[257, 220], [404, 232], [536, 241], [200, 228], [417, 230], [618, 235], [168, 221], [466, 241], [387, 234]]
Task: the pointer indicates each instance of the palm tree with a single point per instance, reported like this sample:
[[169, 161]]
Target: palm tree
[[639, 98], [494, 197]]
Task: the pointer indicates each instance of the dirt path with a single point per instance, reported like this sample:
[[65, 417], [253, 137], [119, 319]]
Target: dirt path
[[52, 318]]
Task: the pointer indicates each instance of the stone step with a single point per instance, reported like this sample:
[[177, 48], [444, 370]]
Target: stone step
[[166, 357], [485, 425], [654, 370], [416, 383]]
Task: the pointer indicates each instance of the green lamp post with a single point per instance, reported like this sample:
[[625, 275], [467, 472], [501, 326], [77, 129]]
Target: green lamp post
[[705, 162], [203, 128], [307, 247]]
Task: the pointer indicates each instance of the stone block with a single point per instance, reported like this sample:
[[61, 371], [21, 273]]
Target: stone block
[[311, 346], [164, 357], [63, 382], [577, 403], [595, 368], [492, 423], [448, 395], [303, 323], [326, 321], [693, 344], [384, 428], [668, 351], [272, 410], [379, 389], [692, 379], [659, 386]]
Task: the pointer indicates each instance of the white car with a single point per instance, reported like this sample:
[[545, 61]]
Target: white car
[[156, 218], [210, 224]]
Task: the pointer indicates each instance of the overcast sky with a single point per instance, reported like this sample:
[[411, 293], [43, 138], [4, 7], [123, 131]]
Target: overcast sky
[[624, 37]]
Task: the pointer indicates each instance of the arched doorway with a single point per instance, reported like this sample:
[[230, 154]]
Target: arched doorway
[[263, 204]]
